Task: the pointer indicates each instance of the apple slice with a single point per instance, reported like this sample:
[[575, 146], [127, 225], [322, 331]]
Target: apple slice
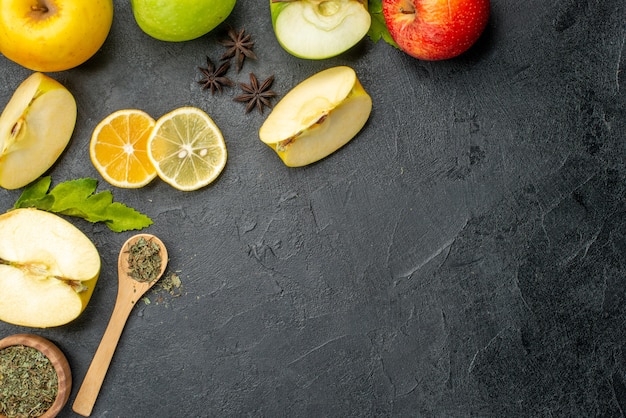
[[317, 29], [317, 117], [35, 128], [48, 269]]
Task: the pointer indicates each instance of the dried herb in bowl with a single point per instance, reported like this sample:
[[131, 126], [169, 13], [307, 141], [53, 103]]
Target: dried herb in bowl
[[28, 382]]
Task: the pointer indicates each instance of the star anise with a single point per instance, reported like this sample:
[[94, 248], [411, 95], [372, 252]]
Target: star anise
[[239, 46], [214, 78], [255, 94]]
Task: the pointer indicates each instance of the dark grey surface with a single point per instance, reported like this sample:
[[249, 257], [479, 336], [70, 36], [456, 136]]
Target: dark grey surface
[[464, 255]]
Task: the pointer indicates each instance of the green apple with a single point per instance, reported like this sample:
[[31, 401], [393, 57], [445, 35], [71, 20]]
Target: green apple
[[180, 20], [53, 35], [317, 29], [48, 269], [317, 117], [35, 127]]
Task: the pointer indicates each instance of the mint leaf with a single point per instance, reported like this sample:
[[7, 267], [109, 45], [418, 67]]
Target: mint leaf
[[121, 219], [378, 28], [78, 198], [35, 194]]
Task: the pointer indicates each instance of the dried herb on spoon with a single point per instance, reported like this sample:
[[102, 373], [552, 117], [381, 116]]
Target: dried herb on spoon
[[144, 260]]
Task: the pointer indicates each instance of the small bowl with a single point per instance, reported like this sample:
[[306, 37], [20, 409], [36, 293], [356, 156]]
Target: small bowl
[[58, 360]]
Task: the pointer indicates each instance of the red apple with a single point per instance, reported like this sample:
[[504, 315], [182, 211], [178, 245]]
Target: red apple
[[435, 29]]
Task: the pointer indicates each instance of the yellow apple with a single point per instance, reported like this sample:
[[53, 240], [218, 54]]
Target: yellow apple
[[48, 269], [35, 127], [53, 35], [317, 117]]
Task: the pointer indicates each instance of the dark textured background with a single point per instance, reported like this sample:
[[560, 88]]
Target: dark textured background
[[464, 255]]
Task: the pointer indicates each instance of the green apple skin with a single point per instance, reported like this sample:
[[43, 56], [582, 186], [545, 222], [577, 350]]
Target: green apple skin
[[35, 128], [180, 20], [319, 36]]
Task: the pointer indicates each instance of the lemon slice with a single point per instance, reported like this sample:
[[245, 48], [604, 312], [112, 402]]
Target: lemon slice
[[187, 149], [118, 148]]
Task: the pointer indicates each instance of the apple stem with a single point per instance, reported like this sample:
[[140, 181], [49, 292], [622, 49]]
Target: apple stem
[[407, 8], [39, 8]]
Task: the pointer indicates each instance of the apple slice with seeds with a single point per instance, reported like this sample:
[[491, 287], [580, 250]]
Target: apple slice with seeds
[[48, 269], [317, 117], [35, 127]]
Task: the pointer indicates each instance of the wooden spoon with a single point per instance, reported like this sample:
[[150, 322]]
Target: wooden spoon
[[129, 292]]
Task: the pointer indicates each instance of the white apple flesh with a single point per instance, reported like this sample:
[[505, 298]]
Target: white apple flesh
[[318, 29], [317, 117], [35, 128], [48, 269]]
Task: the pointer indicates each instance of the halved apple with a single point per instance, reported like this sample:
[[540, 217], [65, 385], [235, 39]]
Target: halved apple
[[35, 127], [317, 117], [317, 29], [48, 269]]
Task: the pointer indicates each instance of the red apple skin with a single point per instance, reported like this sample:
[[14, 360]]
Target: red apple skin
[[435, 29]]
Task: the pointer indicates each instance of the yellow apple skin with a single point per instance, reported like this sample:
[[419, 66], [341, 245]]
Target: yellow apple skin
[[48, 269], [317, 117], [35, 127], [53, 35]]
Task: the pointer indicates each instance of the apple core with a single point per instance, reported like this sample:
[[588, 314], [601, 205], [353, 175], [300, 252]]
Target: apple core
[[328, 8]]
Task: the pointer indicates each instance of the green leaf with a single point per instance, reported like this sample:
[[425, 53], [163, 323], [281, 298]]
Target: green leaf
[[35, 193], [123, 218], [378, 28], [78, 198]]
